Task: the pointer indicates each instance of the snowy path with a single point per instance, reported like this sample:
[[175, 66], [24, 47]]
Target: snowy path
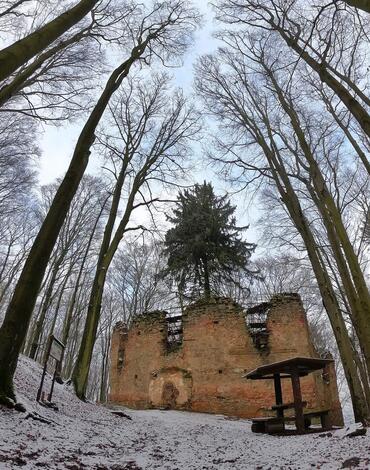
[[85, 436]]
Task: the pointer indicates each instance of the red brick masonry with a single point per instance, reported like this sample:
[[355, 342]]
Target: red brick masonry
[[205, 372]]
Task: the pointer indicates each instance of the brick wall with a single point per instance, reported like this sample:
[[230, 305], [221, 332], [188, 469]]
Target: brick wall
[[205, 372]]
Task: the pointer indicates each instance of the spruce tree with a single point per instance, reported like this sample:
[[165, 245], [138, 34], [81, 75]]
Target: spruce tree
[[204, 247]]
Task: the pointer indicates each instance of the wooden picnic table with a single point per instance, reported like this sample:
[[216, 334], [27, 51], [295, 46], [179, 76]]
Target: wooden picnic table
[[292, 369]]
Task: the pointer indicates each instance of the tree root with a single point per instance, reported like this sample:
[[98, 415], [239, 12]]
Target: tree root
[[37, 417], [6, 401], [121, 414]]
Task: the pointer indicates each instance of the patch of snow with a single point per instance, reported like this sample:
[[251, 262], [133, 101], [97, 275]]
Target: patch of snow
[[87, 436], [349, 430], [347, 410]]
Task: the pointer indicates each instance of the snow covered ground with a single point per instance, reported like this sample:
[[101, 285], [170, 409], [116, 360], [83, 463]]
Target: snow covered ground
[[86, 436]]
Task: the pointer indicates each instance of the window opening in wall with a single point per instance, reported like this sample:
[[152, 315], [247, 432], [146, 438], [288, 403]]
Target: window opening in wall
[[174, 332], [256, 320], [121, 358]]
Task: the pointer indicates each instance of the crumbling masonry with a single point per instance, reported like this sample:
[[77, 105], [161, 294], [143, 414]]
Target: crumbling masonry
[[196, 362]]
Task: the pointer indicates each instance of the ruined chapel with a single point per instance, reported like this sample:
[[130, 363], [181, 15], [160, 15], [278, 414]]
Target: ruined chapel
[[198, 361]]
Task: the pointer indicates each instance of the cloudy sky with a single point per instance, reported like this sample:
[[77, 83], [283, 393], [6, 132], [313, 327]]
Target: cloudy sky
[[58, 143]]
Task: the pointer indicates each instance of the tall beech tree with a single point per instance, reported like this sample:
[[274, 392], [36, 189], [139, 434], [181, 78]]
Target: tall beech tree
[[260, 141], [82, 217], [163, 31], [337, 65], [350, 271], [153, 133], [204, 246], [58, 83], [19, 53], [360, 4], [18, 154]]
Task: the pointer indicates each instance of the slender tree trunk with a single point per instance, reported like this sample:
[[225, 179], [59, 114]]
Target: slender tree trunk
[[360, 406], [68, 363], [17, 54], [349, 269], [207, 287], [290, 199], [350, 102], [363, 374], [45, 307], [82, 367], [24, 77], [68, 319], [71, 304], [104, 372], [18, 314], [32, 328], [361, 4], [57, 308]]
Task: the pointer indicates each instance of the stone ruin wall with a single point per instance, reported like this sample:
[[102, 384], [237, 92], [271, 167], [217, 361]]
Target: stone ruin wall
[[205, 372]]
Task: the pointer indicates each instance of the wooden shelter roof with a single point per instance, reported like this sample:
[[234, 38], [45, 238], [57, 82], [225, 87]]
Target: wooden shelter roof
[[304, 366]]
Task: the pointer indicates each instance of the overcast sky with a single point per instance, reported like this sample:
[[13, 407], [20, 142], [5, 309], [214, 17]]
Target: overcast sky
[[58, 143]]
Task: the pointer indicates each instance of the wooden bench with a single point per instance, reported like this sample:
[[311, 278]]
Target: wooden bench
[[322, 414], [286, 406], [275, 424], [268, 425]]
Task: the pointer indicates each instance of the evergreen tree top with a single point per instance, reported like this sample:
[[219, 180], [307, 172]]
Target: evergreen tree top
[[204, 247]]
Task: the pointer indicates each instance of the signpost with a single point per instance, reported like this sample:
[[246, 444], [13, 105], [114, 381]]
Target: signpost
[[54, 351]]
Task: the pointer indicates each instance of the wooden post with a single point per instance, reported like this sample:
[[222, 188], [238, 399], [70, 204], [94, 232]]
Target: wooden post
[[52, 384], [278, 395], [298, 405], [39, 392]]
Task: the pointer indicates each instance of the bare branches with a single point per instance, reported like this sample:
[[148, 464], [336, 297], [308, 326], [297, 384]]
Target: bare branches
[[16, 55], [333, 48], [361, 4], [272, 132], [149, 133]]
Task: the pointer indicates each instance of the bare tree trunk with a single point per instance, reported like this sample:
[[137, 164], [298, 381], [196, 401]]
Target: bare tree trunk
[[360, 406], [82, 366], [363, 374], [71, 305], [34, 319], [45, 307], [55, 316], [68, 319], [290, 199], [350, 102], [18, 314], [361, 4], [17, 54], [105, 369], [69, 358], [353, 279], [24, 77]]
